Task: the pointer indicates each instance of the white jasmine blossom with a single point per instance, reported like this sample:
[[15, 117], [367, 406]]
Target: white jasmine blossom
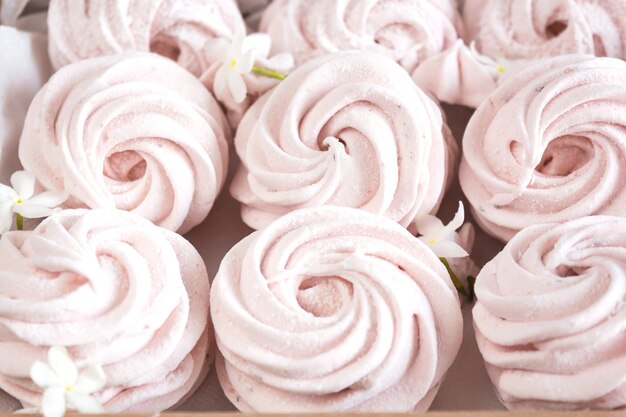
[[442, 238], [20, 199], [237, 58], [235, 61], [64, 387]]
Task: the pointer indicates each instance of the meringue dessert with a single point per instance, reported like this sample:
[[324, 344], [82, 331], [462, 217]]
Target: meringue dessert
[[407, 31], [174, 29], [346, 129], [549, 145], [116, 291], [333, 309], [457, 76], [135, 132], [550, 316], [538, 28]]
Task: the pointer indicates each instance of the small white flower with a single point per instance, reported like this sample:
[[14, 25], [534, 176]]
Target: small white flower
[[497, 68], [64, 387], [20, 200], [440, 238], [235, 62]]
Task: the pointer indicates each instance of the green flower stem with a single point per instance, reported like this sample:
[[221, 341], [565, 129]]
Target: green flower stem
[[269, 73], [471, 281], [455, 280], [19, 221]]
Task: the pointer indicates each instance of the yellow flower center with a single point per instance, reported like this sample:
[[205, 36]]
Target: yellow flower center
[[68, 388], [501, 69], [233, 63], [431, 242], [19, 200]]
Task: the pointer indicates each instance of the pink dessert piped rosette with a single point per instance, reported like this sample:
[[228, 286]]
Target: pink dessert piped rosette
[[407, 31], [135, 132], [550, 318], [531, 29], [347, 129], [333, 309], [176, 29], [116, 291], [549, 145], [456, 76]]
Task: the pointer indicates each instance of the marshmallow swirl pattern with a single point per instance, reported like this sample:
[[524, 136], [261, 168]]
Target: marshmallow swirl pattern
[[134, 132], [540, 28], [333, 309], [115, 290], [551, 319], [549, 145], [346, 129], [407, 31], [175, 29]]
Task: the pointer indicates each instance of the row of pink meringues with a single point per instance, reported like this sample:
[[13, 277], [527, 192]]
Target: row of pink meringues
[[326, 309]]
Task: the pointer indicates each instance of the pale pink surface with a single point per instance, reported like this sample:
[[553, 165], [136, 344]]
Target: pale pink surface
[[472, 10], [115, 290], [455, 76], [25, 68], [407, 31], [136, 132], [466, 386], [550, 316], [175, 29], [295, 304], [549, 145], [348, 129], [540, 28]]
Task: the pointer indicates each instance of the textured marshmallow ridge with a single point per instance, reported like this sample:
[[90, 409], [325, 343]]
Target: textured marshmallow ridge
[[540, 28], [116, 291], [550, 317], [407, 31], [175, 29], [549, 145], [456, 76], [333, 309], [347, 129], [135, 132]]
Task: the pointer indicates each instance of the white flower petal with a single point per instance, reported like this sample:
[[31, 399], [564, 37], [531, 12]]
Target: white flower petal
[[217, 50], [459, 218], [7, 193], [62, 364], [220, 84], [449, 249], [429, 226], [23, 182], [53, 402], [245, 63], [6, 216], [49, 199], [85, 404], [44, 376], [32, 211], [237, 86], [90, 380], [259, 44], [237, 45]]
